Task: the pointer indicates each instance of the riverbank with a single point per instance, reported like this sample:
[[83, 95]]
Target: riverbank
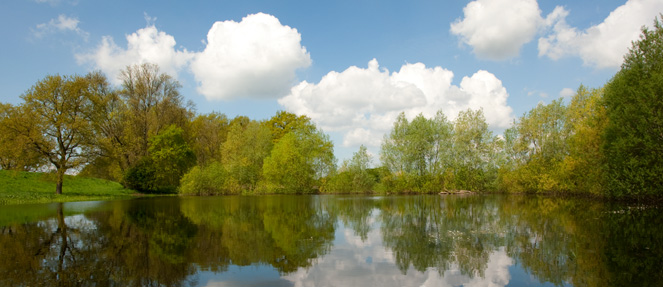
[[17, 187]]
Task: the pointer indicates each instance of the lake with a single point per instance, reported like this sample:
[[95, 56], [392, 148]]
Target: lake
[[325, 240]]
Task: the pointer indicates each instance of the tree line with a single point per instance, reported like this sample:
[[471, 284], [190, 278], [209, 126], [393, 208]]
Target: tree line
[[605, 141]]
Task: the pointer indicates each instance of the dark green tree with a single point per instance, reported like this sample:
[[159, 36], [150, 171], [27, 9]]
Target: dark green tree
[[634, 106]]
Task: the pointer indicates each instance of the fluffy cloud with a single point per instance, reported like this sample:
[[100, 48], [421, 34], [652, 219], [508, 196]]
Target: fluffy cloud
[[363, 103], [496, 29], [145, 45], [256, 57], [602, 45], [61, 24]]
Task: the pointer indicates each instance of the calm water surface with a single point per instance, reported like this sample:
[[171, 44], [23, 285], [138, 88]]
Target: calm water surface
[[332, 241]]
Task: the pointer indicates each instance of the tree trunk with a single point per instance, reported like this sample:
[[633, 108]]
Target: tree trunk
[[60, 179]]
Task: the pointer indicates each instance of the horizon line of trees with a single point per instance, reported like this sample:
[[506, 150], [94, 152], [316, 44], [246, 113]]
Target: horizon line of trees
[[606, 141]]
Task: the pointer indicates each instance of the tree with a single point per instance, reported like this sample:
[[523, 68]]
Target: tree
[[153, 102], [169, 158], [536, 147], [243, 154], [585, 122], [55, 121], [418, 152], [15, 151], [299, 160], [353, 175], [208, 133], [284, 122], [474, 148], [634, 106]]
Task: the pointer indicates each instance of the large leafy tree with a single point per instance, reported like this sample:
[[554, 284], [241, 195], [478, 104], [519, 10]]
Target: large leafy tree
[[634, 107], [153, 102], [55, 121], [243, 154], [535, 147], [474, 148], [585, 121]]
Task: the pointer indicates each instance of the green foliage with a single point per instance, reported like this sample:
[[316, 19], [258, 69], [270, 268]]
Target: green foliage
[[15, 150], [168, 159], [474, 150], [243, 154], [284, 122], [208, 133], [535, 147], [432, 155], [205, 180], [54, 121], [634, 108], [582, 169], [353, 176], [299, 161]]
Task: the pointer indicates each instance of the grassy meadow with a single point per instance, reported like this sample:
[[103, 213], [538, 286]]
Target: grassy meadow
[[17, 187]]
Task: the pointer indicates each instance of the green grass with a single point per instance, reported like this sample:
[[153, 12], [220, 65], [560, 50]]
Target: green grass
[[17, 187]]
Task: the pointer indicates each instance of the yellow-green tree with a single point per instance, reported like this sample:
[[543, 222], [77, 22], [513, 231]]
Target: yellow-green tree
[[585, 121], [243, 154], [55, 120], [15, 151], [299, 161]]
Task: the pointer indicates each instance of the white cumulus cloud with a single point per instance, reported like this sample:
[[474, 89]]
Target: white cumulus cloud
[[60, 24], [497, 29], [362, 103], [256, 57], [147, 45], [602, 45]]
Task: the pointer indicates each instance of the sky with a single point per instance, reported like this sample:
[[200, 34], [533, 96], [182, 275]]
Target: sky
[[351, 66]]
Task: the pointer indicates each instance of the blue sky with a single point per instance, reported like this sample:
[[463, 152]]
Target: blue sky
[[351, 66]]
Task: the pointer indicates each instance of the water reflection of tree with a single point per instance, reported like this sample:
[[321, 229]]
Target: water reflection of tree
[[557, 240], [284, 232], [54, 252], [439, 232], [164, 242]]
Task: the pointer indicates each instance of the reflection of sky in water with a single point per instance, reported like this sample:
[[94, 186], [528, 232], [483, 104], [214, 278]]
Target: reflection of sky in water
[[356, 262]]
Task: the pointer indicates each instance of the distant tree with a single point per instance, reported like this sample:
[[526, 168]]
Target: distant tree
[[634, 107], [55, 121]]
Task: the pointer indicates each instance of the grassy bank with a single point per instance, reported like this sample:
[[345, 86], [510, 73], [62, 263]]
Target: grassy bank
[[31, 187]]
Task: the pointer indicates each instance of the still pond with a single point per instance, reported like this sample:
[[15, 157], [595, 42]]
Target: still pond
[[432, 240]]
